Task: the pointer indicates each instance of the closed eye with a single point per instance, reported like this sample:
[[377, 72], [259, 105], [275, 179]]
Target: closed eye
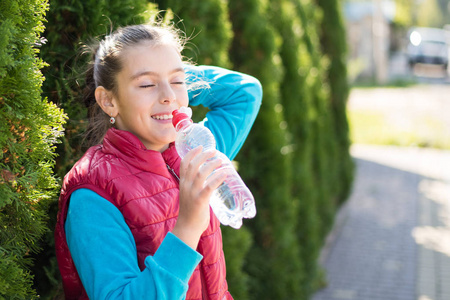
[[178, 82], [147, 85]]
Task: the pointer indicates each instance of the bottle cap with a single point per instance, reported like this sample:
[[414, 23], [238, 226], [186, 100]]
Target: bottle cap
[[178, 116]]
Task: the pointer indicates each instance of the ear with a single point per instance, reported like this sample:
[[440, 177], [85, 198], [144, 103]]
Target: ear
[[106, 100]]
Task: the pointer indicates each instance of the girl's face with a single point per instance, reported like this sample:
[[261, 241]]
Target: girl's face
[[151, 85]]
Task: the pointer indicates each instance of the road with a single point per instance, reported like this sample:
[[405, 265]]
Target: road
[[391, 239]]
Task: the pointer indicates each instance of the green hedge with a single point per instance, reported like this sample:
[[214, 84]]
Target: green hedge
[[296, 159], [333, 44], [70, 25], [273, 261], [298, 96], [209, 28], [29, 127]]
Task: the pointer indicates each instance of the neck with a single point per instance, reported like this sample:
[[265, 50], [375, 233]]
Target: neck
[[159, 149]]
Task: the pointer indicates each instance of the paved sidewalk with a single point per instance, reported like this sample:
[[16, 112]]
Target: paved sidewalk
[[391, 239]]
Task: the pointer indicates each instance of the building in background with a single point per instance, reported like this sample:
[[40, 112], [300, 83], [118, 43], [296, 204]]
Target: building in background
[[368, 36]]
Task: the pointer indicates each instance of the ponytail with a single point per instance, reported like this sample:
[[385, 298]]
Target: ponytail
[[89, 89], [98, 121]]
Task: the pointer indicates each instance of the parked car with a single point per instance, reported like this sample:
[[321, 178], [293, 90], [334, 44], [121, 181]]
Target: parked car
[[428, 46]]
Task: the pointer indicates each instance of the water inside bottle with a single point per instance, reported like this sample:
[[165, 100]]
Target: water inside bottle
[[224, 192]]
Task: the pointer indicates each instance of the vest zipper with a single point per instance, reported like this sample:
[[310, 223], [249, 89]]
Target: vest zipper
[[173, 172]]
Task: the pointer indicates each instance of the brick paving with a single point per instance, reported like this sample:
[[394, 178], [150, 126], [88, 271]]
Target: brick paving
[[391, 239]]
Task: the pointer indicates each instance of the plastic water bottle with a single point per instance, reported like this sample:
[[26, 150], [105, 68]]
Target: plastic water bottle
[[232, 200]]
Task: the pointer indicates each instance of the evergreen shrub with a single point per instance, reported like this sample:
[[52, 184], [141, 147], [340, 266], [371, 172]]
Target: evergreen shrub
[[30, 126], [332, 36], [70, 26], [273, 261], [207, 25], [207, 28], [297, 97], [295, 160]]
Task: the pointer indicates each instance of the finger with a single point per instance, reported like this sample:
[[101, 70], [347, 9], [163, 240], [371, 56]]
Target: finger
[[188, 158], [210, 165], [194, 167], [213, 182]]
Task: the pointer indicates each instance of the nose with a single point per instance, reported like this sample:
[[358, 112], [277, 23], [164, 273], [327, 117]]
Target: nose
[[167, 93]]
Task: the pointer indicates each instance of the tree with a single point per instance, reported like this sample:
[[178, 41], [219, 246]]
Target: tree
[[430, 14], [209, 27], [404, 13], [72, 24], [332, 37], [295, 160], [303, 98], [30, 126], [273, 261]]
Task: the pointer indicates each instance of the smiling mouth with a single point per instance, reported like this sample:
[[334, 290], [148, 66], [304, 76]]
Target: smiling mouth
[[162, 117]]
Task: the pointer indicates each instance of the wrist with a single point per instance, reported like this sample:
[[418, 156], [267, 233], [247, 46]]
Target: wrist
[[188, 235]]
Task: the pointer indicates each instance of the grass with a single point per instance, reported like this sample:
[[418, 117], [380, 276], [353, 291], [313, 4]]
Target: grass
[[385, 128], [396, 83]]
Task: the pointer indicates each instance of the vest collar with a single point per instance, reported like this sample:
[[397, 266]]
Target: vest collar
[[127, 146]]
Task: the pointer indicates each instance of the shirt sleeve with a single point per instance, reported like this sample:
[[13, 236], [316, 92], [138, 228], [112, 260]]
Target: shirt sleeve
[[234, 100], [104, 252]]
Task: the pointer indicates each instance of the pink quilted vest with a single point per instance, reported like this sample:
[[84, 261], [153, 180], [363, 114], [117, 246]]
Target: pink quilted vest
[[141, 184]]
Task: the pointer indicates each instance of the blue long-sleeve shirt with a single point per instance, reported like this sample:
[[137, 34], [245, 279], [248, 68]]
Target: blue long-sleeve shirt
[[101, 243]]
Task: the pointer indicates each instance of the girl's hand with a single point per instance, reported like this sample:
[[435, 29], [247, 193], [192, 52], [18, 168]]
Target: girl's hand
[[195, 191]]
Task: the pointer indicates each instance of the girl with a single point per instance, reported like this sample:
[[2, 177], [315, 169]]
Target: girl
[[134, 220]]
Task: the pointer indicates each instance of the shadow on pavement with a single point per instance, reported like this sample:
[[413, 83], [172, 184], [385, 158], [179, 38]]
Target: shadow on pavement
[[391, 239]]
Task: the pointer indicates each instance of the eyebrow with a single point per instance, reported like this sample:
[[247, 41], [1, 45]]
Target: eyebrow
[[151, 73]]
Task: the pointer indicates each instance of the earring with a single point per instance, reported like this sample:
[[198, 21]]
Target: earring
[[112, 120]]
